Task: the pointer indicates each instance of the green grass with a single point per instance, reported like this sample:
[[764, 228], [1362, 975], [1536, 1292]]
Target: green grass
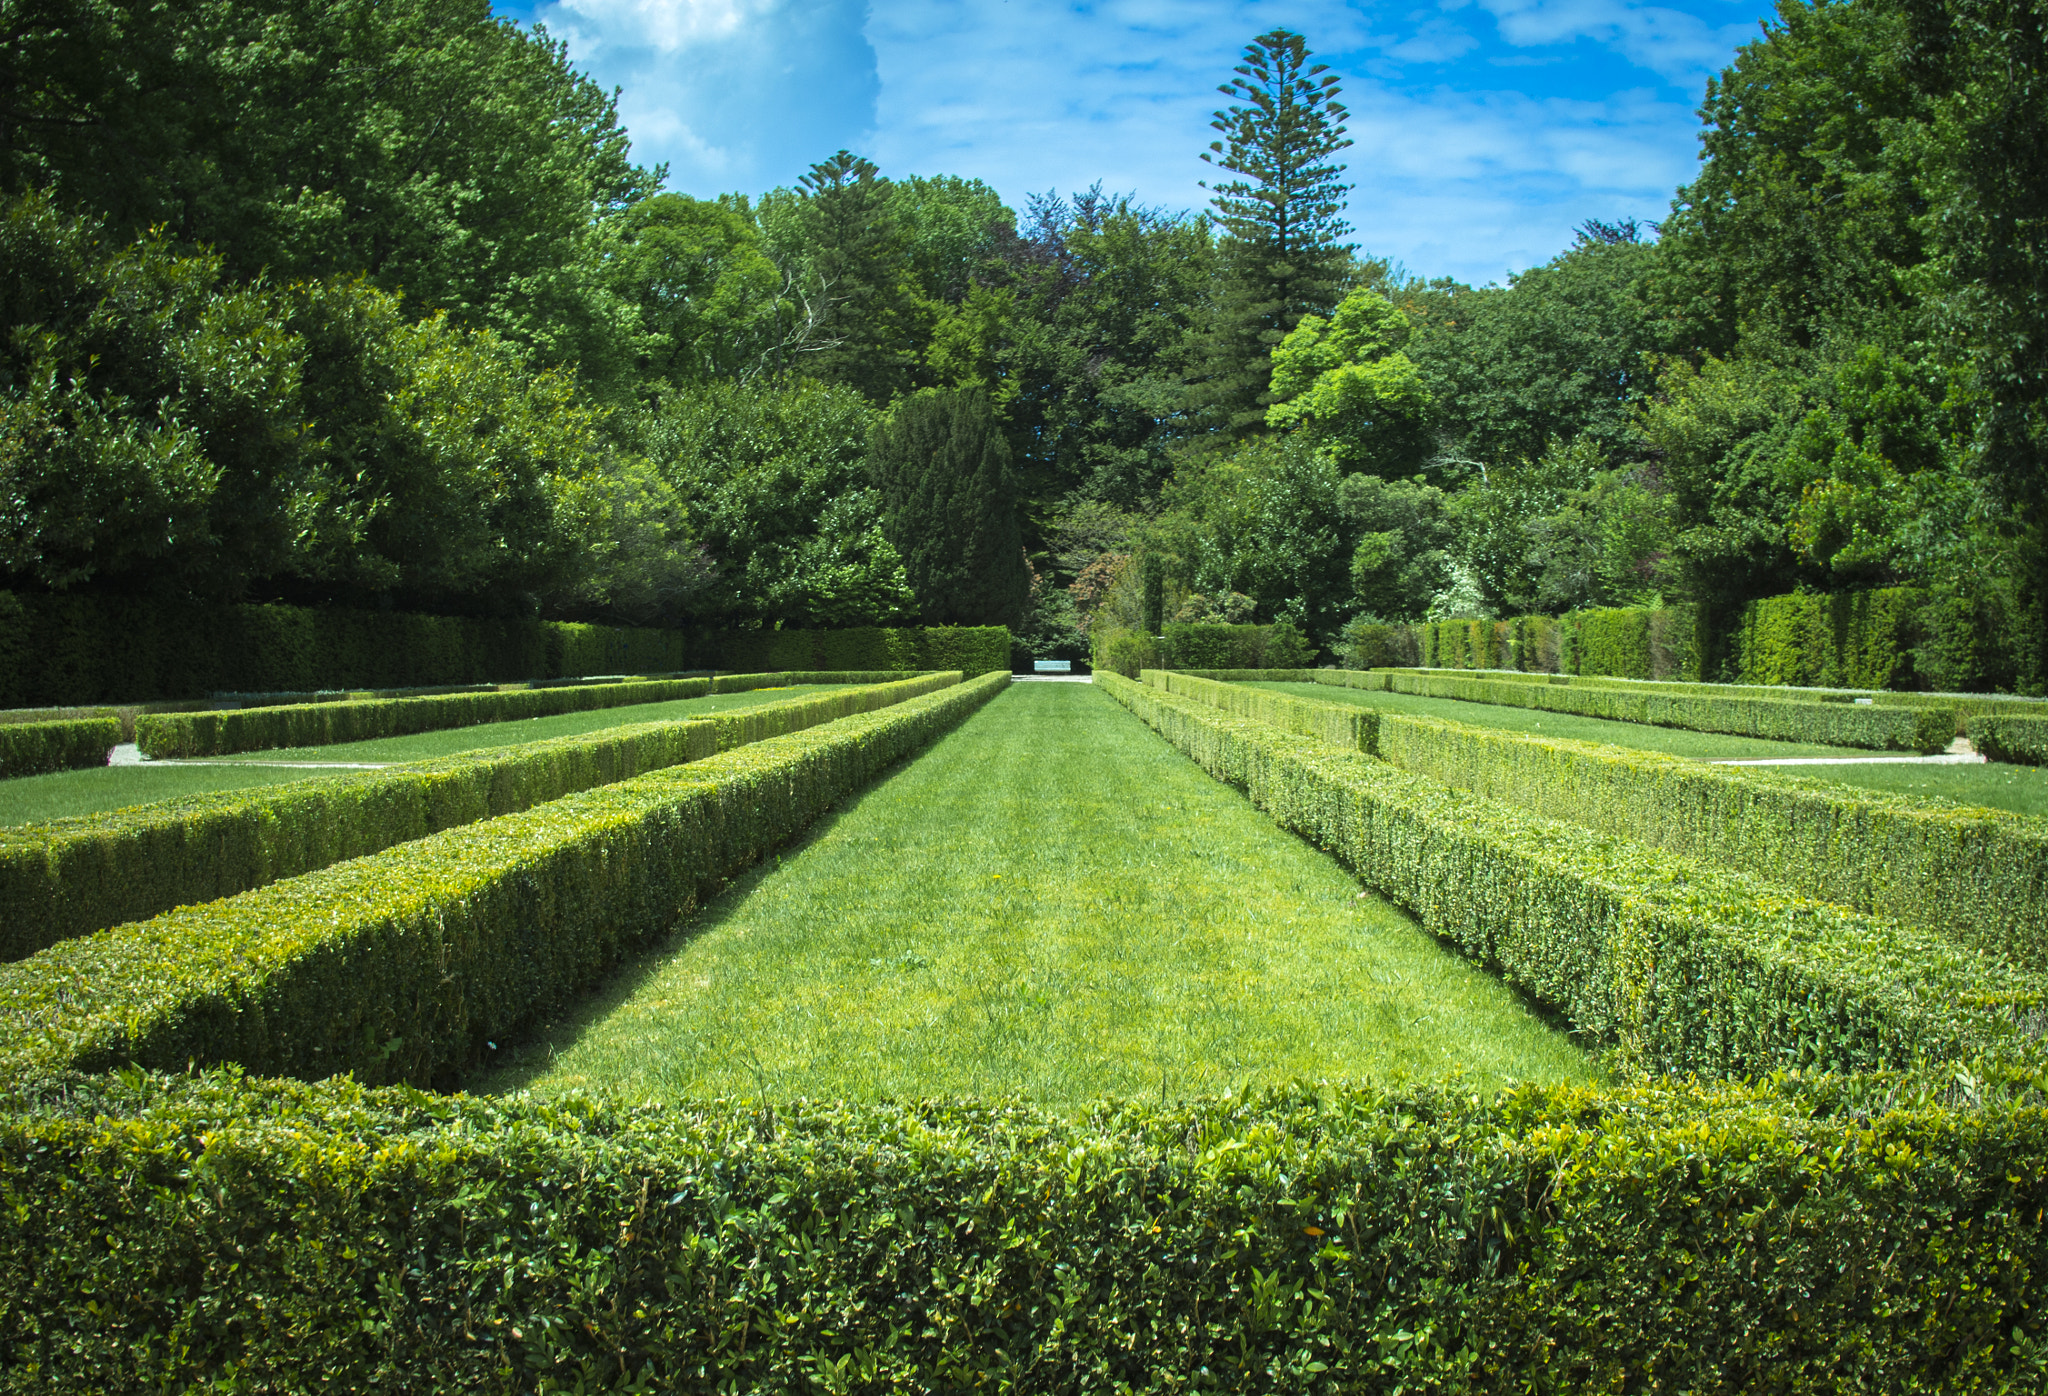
[[1051, 902], [1675, 741], [2020, 789], [26, 799]]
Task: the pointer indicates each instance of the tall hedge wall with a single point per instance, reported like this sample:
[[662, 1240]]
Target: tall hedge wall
[[972, 649], [92, 649], [1633, 642], [1853, 640]]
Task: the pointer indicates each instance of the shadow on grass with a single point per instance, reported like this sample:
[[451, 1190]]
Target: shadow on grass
[[529, 1053]]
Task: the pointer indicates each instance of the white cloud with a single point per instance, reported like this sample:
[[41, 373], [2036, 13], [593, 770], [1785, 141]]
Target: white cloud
[[1485, 129], [1672, 43]]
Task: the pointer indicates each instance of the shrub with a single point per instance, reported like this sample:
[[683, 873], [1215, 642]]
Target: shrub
[[1974, 874], [222, 733], [969, 648], [1825, 724], [1369, 643], [79, 649], [1685, 966], [1783, 1237], [70, 877], [1849, 640], [400, 966], [32, 748], [1215, 646], [1340, 724], [1127, 652], [2007, 737]]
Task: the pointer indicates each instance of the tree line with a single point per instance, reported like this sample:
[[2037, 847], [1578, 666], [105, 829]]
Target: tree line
[[370, 305]]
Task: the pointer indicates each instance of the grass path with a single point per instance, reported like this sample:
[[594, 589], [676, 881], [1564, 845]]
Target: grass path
[[2021, 789], [1051, 901], [64, 793]]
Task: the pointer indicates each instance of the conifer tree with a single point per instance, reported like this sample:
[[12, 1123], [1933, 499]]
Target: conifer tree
[[949, 506], [860, 269], [1281, 257]]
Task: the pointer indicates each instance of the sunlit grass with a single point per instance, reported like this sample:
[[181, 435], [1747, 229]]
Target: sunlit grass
[[1051, 901], [64, 793], [2021, 789]]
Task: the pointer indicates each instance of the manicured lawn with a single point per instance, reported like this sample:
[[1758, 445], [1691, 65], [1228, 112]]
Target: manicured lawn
[[64, 793], [1054, 902], [2021, 789], [60, 794]]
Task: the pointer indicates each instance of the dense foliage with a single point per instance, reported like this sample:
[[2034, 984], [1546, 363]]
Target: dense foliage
[[328, 303]]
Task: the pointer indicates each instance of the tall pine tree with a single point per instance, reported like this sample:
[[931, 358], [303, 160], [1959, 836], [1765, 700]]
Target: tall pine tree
[[861, 273], [950, 507], [1281, 255]]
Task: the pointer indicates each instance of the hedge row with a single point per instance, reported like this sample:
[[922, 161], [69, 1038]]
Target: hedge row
[[222, 733], [1685, 966], [1978, 875], [31, 748], [1824, 724], [401, 966], [1849, 640], [71, 877], [76, 649], [1340, 724], [972, 649], [211, 1231], [1630, 642], [2020, 740]]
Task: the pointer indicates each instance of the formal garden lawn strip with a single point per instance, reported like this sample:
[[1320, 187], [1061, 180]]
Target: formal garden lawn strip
[[1054, 902]]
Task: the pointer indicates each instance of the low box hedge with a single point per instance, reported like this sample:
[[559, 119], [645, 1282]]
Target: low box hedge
[[1979, 875], [1683, 965], [223, 733], [213, 1232], [70, 877], [1340, 724], [33, 748], [1782, 720], [401, 965], [2020, 740]]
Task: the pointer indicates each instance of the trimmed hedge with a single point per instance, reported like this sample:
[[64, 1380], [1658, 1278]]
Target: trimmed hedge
[[1978, 875], [77, 649], [71, 877], [210, 1231], [1683, 965], [1851, 640], [2020, 740], [222, 733], [1339, 724], [32, 748], [1824, 724], [972, 649], [402, 965], [1629, 642]]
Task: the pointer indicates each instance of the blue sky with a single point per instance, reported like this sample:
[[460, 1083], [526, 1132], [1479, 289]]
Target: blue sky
[[1485, 130]]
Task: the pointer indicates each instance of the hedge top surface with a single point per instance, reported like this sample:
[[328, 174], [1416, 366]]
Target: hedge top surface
[[210, 970]]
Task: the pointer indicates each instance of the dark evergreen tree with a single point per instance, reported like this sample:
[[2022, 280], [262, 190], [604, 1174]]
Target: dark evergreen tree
[[950, 507], [861, 272], [1281, 254]]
